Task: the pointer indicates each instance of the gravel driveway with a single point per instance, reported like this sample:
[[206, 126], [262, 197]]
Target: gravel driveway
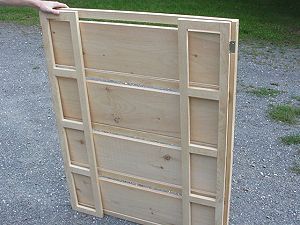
[[32, 182]]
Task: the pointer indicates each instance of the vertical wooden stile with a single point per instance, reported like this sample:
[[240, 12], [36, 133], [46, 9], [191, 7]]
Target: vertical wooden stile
[[85, 110], [183, 69], [48, 46]]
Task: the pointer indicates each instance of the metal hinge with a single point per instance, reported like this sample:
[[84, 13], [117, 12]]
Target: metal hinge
[[232, 47]]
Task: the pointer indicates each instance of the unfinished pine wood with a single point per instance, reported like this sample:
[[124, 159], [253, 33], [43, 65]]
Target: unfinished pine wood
[[154, 111], [204, 55], [203, 173], [145, 113], [84, 190], [140, 158], [69, 98], [62, 42], [85, 111], [136, 49], [147, 205], [77, 147]]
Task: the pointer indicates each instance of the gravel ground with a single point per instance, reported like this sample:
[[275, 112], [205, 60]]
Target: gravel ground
[[33, 187]]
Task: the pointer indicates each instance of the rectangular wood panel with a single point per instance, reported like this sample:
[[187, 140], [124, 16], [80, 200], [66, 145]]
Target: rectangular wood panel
[[145, 113]]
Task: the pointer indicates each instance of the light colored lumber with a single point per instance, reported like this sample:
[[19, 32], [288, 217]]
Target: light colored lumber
[[183, 69], [231, 119], [202, 215], [203, 173], [204, 93], [202, 200], [70, 98], [204, 121], [57, 105], [77, 147], [134, 201], [134, 108], [203, 150], [149, 17], [136, 134], [84, 103], [84, 190], [149, 51], [204, 52], [139, 158]]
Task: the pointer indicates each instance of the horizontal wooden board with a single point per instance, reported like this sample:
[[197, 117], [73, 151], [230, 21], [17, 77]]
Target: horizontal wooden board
[[204, 57], [133, 201], [139, 158], [77, 148], [62, 42], [69, 98], [134, 108], [84, 192], [203, 173], [202, 215], [128, 48]]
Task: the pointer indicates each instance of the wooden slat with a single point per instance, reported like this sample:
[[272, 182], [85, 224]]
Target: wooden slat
[[204, 93], [143, 109], [201, 200], [80, 170], [137, 134], [183, 68], [135, 79], [202, 215], [154, 184], [149, 51], [76, 125], [64, 72], [133, 156], [231, 119], [223, 120], [149, 17], [203, 150], [89, 142], [141, 203]]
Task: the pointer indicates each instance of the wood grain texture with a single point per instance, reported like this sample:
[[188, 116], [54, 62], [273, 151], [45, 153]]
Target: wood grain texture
[[134, 108], [69, 98], [139, 158], [204, 57], [77, 147], [134, 49], [143, 109], [133, 201], [84, 190], [62, 42]]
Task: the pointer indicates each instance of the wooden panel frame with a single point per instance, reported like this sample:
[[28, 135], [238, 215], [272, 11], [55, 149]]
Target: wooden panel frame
[[224, 94]]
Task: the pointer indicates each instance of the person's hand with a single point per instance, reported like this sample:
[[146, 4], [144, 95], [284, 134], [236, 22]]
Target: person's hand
[[51, 7]]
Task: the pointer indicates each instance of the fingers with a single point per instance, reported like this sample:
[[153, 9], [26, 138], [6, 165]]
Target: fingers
[[57, 5]]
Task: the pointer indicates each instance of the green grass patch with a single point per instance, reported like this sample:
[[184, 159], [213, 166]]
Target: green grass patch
[[296, 168], [296, 97], [271, 20], [285, 113], [291, 139], [264, 92]]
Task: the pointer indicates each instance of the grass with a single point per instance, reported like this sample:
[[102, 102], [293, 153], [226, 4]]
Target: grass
[[291, 139], [296, 168], [264, 92], [296, 97], [285, 113], [269, 20]]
